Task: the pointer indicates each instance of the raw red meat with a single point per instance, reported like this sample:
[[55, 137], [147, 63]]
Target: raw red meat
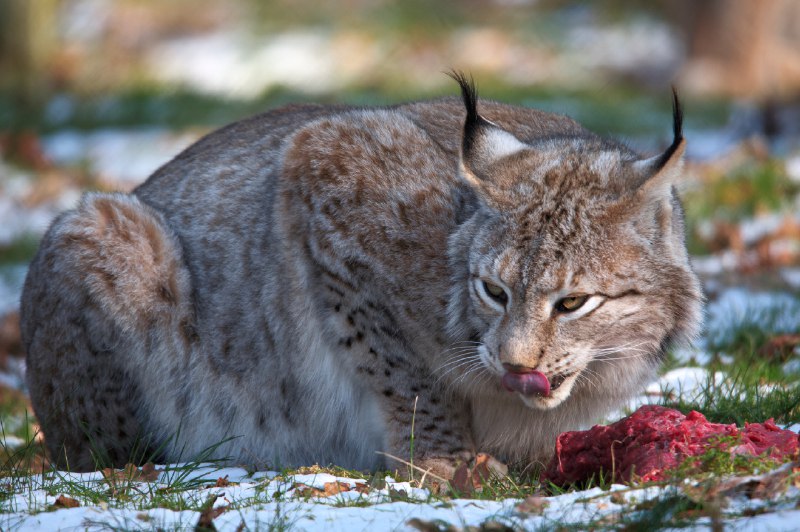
[[653, 440]]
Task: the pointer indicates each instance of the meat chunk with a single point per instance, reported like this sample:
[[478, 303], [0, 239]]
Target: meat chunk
[[654, 440]]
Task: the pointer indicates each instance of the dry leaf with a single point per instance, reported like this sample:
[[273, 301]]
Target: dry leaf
[[772, 484], [222, 482], [62, 501], [764, 486], [466, 480], [486, 467], [209, 513], [301, 490], [361, 487], [149, 473], [335, 488], [462, 480]]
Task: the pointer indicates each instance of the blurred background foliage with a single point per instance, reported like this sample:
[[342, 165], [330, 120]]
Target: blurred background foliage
[[95, 94], [208, 61]]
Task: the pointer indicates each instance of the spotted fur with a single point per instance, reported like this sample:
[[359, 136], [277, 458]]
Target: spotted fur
[[309, 283]]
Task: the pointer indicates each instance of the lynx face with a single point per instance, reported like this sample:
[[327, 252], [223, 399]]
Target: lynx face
[[577, 275]]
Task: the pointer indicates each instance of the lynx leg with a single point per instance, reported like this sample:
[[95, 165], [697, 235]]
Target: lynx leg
[[106, 277], [441, 438], [409, 395]]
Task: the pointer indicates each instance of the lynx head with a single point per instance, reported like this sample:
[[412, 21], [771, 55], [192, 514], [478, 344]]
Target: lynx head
[[572, 274]]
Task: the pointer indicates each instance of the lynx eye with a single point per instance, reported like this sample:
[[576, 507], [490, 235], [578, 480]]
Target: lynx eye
[[496, 292], [571, 303]]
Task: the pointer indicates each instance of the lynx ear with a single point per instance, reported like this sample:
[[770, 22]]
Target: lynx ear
[[483, 142], [657, 175], [653, 189]]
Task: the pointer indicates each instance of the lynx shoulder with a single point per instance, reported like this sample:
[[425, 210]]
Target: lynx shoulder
[[299, 287]]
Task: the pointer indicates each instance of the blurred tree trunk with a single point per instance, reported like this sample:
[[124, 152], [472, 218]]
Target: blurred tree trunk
[[27, 41], [743, 47]]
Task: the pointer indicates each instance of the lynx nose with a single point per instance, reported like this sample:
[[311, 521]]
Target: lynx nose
[[525, 380]]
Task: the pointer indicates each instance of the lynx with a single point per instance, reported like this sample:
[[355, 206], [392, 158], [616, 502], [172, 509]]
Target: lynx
[[302, 286]]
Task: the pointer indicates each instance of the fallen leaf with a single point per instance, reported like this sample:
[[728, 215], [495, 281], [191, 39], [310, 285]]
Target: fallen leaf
[[62, 501], [773, 484], [361, 487], [766, 486], [222, 482], [208, 514], [301, 490], [149, 473], [486, 468], [335, 488], [462, 480], [467, 480]]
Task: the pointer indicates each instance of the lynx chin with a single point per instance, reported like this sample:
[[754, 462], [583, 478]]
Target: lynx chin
[[291, 283]]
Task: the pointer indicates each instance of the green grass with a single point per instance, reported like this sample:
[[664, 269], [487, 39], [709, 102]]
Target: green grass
[[740, 399], [753, 187], [19, 251], [614, 110]]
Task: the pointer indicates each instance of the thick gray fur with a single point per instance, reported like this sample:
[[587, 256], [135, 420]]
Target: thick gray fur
[[308, 281]]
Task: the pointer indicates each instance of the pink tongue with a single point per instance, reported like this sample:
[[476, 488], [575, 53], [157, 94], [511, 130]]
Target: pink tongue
[[533, 383]]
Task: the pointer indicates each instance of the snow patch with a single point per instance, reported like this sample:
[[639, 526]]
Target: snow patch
[[120, 158]]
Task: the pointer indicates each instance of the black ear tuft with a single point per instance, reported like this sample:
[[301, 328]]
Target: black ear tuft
[[677, 129], [677, 118], [470, 96], [468, 93]]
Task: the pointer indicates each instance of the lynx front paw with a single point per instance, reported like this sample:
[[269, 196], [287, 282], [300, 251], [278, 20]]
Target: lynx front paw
[[468, 479], [462, 473], [441, 468]]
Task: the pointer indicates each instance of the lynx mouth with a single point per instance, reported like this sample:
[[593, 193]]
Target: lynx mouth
[[533, 383], [527, 383], [559, 379]]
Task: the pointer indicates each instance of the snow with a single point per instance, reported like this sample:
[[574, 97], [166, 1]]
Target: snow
[[793, 167], [772, 311], [752, 230], [714, 265], [634, 45], [121, 158], [785, 520], [265, 503], [231, 64], [791, 276]]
